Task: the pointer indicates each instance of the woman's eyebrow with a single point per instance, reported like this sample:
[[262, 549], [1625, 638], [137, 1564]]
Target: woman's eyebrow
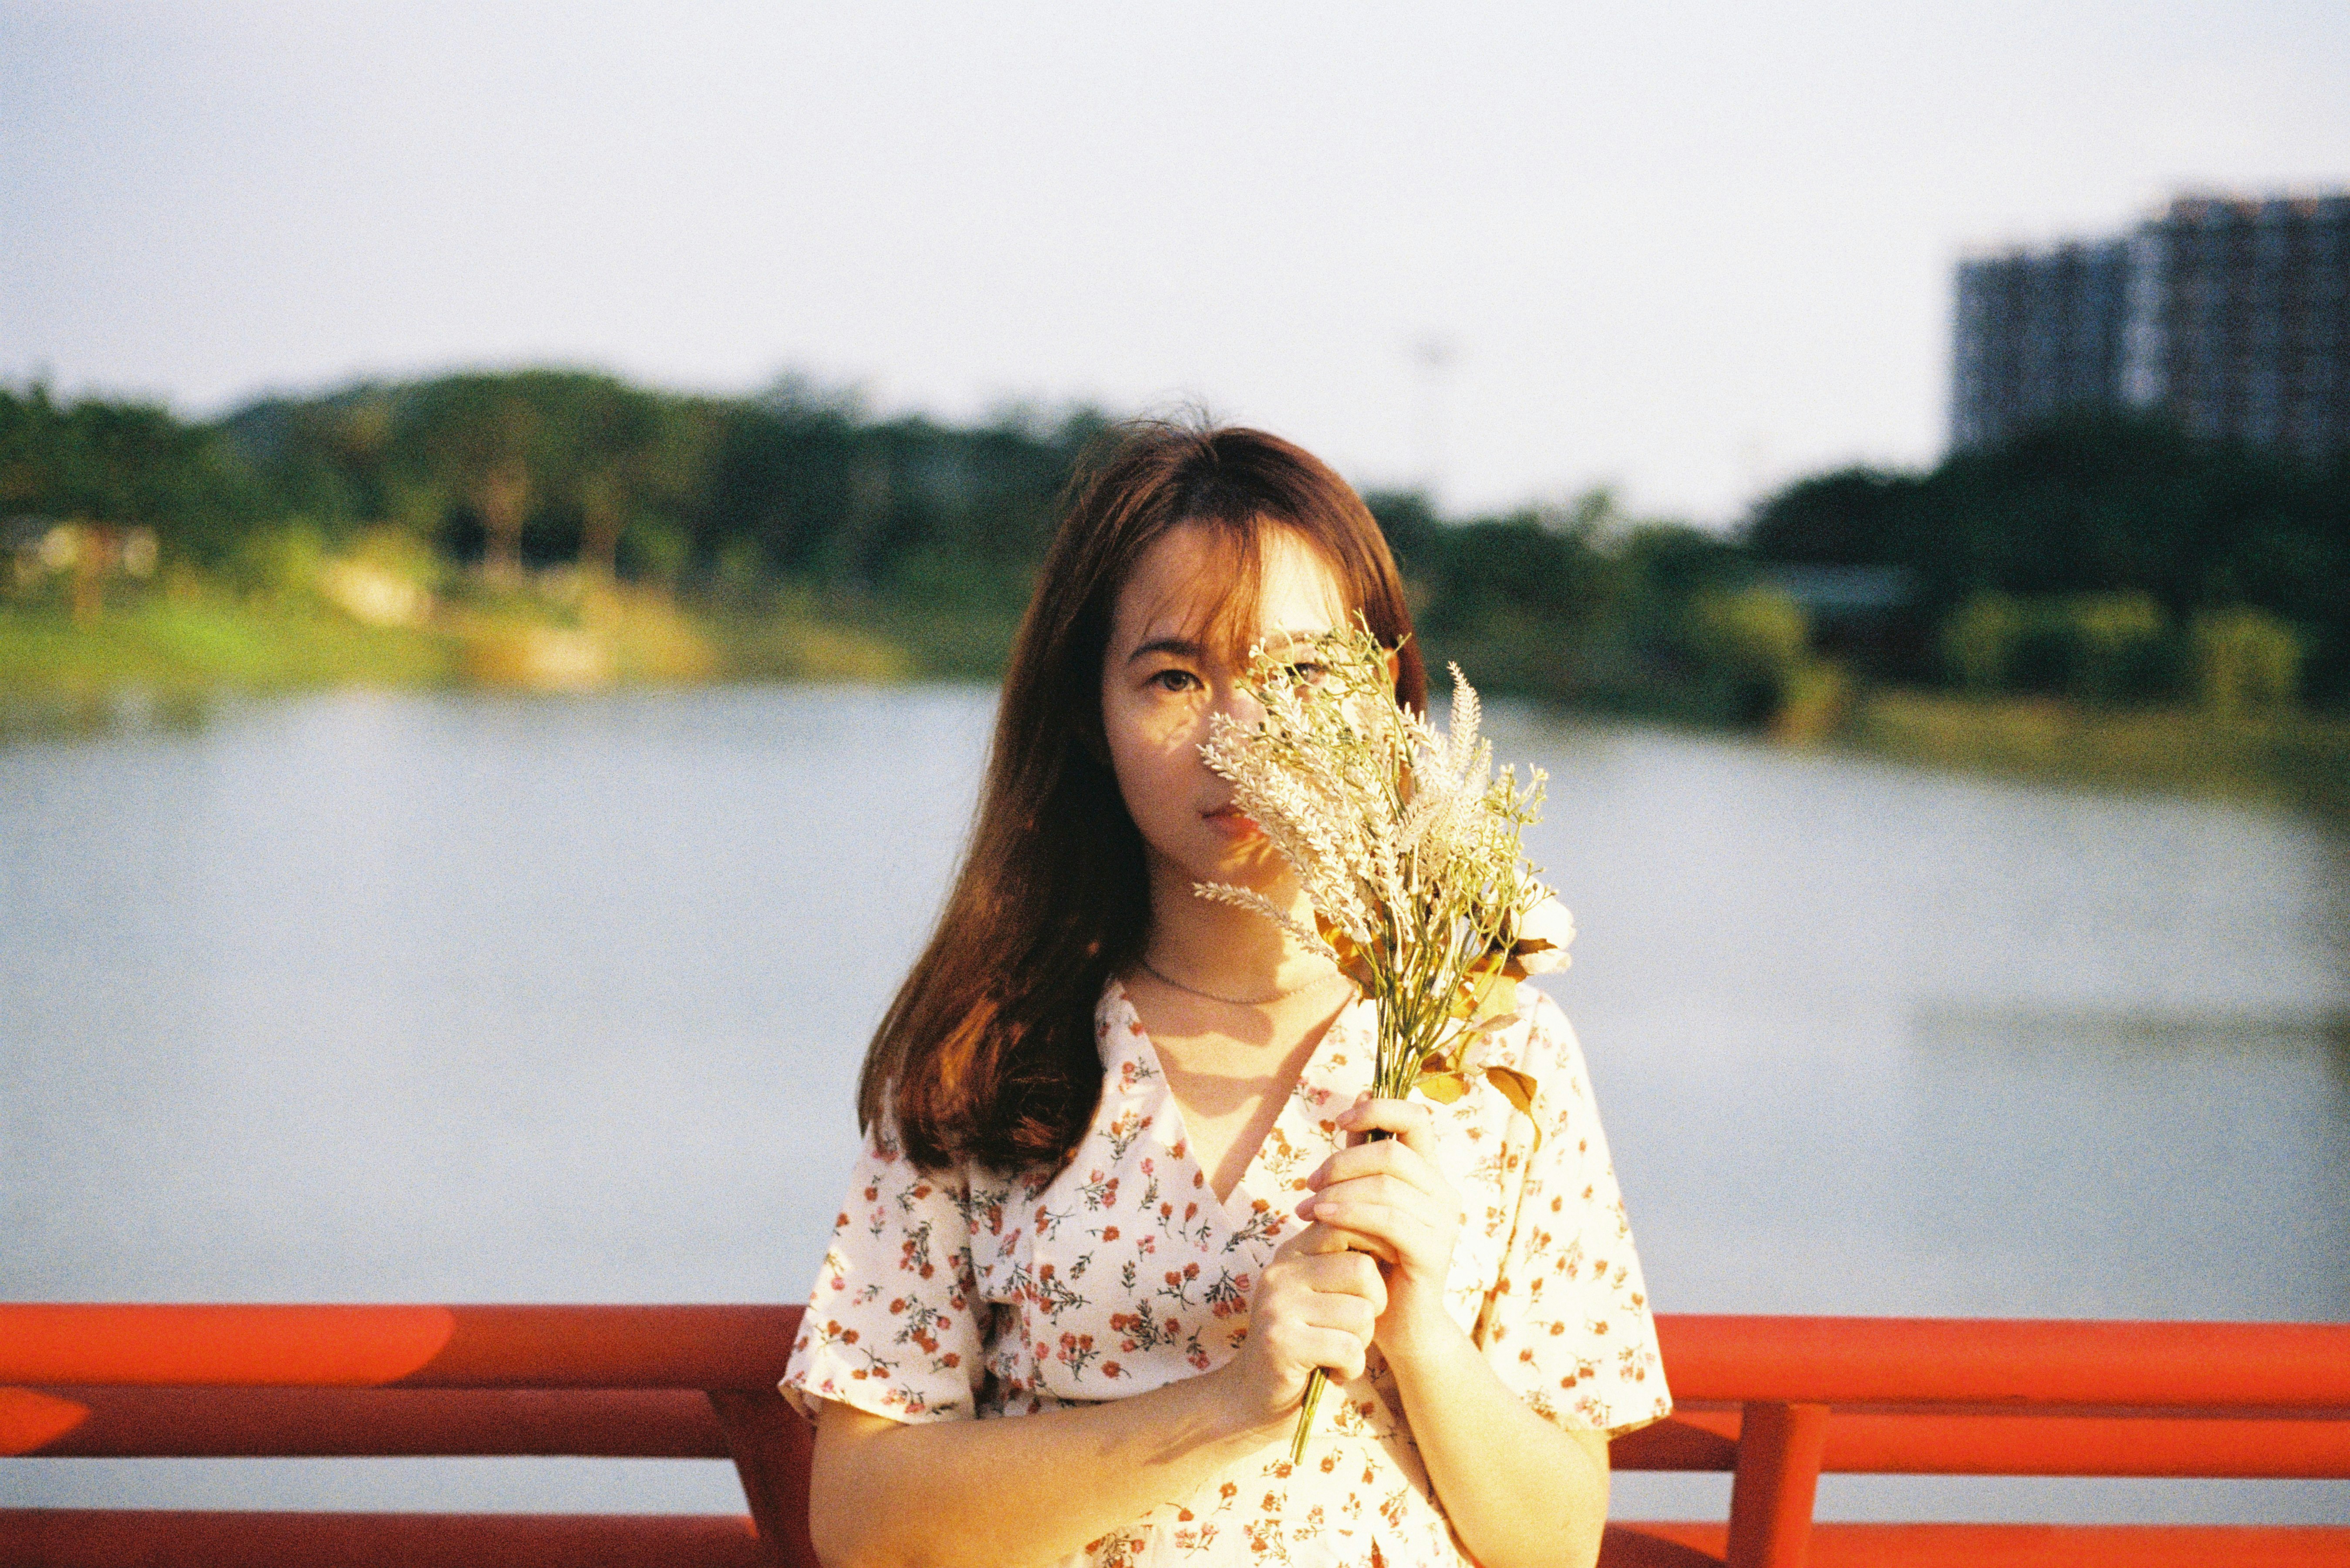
[[1182, 648]]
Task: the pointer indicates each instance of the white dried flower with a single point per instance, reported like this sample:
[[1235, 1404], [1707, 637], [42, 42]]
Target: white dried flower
[[1548, 924], [1409, 848]]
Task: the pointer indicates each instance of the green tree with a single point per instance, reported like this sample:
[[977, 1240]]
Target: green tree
[[484, 441], [129, 464]]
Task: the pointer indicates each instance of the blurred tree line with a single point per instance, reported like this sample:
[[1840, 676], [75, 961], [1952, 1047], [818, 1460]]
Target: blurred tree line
[[1582, 604], [514, 471], [2107, 557], [538, 468], [2110, 559]]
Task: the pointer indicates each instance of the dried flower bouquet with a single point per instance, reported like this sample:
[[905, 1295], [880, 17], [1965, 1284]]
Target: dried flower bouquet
[[1409, 850]]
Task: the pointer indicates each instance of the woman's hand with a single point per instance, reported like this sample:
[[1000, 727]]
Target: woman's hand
[[1317, 1305], [1388, 1200]]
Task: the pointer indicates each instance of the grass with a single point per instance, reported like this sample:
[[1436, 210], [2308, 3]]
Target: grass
[[2297, 761], [176, 643], [167, 653]]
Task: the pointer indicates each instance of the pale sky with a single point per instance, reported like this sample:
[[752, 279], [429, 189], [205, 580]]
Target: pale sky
[[1691, 250]]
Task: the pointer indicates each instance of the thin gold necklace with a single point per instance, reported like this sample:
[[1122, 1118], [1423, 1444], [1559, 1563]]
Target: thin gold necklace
[[1165, 978]]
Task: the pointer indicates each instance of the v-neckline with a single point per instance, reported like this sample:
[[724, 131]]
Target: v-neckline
[[1241, 1202]]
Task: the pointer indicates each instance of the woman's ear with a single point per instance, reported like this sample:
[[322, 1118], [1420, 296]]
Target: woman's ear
[[1395, 667]]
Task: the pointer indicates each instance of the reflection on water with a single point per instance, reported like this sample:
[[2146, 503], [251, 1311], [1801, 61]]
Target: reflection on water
[[371, 998]]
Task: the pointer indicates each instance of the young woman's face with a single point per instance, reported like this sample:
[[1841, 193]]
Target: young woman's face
[[1162, 684]]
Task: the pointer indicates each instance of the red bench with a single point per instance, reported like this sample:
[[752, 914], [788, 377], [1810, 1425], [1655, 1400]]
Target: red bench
[[1773, 1400]]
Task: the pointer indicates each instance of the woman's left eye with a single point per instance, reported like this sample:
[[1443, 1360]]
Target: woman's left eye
[[1306, 672]]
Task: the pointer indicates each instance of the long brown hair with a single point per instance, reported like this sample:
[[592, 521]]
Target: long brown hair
[[987, 1055]]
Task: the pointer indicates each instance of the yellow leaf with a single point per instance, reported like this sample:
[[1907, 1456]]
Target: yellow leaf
[[1442, 1087], [1500, 996], [1352, 963], [1516, 1087]]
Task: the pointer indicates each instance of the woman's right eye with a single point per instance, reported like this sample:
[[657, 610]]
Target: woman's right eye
[[1175, 680]]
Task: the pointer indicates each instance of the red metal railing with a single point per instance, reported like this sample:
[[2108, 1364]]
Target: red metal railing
[[1775, 1401]]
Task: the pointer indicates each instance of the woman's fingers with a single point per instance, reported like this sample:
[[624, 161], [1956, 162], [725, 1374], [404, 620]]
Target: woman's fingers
[[1412, 1121], [1387, 1158], [1348, 1275], [1312, 1241], [1328, 1263], [1339, 1351], [1318, 1306], [1393, 1231], [1379, 1187], [1291, 1343], [1410, 1154], [1369, 1244], [1401, 1182], [1387, 1196]]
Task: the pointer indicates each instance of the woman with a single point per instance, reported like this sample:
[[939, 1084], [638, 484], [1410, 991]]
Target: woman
[[1113, 1182]]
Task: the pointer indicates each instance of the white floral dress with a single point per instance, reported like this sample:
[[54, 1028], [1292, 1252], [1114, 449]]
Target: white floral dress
[[968, 1293]]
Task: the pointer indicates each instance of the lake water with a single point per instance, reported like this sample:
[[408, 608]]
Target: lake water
[[461, 998]]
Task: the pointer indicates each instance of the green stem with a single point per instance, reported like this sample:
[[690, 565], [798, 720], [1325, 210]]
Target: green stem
[[1314, 1386]]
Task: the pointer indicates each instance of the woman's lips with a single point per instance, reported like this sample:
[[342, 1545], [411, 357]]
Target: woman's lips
[[1232, 821]]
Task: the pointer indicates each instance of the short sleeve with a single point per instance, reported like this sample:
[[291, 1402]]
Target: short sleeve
[[1567, 1324], [895, 1325]]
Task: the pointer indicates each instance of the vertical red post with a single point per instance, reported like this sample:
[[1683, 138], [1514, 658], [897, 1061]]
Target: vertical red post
[[1779, 1450], [773, 1449]]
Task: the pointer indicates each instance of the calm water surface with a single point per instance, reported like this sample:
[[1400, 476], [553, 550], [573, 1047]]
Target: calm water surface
[[462, 998]]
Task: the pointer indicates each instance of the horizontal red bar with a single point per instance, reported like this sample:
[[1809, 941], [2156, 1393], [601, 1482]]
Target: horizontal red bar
[[109, 1422], [408, 1346], [145, 1538], [2007, 1362], [2086, 1446], [1838, 1361], [1975, 1444], [211, 1423], [2016, 1364], [74, 1538], [1841, 1545]]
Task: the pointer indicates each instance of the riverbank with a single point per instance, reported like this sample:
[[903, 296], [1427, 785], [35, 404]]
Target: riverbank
[[2292, 761], [165, 656]]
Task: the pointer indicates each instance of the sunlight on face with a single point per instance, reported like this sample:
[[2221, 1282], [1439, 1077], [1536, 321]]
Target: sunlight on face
[[1164, 678]]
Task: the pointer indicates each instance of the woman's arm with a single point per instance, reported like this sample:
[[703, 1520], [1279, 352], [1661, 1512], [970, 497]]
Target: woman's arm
[[1519, 1490], [886, 1494]]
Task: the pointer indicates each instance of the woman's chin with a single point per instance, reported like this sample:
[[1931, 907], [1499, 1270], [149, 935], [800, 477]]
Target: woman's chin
[[1250, 861]]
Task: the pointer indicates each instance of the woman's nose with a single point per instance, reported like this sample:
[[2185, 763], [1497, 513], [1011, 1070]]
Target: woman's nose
[[1242, 706]]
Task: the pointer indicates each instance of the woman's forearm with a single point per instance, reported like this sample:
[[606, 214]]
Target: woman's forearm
[[1521, 1492], [1019, 1489]]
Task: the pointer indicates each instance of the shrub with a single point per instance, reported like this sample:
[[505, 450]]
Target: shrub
[[2245, 660], [1980, 641]]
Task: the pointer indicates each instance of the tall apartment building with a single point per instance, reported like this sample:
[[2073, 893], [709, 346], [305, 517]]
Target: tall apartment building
[[2231, 316]]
